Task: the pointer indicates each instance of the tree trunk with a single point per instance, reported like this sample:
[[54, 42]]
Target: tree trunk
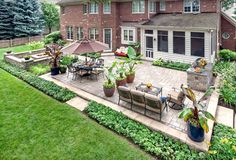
[[50, 29]]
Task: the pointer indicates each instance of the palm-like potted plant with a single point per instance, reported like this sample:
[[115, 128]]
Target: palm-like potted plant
[[196, 117], [64, 62], [54, 51], [109, 84], [120, 73]]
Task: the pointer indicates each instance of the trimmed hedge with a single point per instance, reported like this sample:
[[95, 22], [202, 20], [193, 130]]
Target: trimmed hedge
[[172, 65], [49, 88], [227, 55], [223, 145]]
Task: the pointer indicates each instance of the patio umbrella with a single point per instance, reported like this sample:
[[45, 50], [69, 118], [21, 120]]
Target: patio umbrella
[[85, 46]]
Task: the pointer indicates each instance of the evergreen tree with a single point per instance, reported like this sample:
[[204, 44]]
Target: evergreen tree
[[6, 18]]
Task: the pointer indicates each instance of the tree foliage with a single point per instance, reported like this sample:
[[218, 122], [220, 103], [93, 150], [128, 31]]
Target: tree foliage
[[51, 15], [226, 4]]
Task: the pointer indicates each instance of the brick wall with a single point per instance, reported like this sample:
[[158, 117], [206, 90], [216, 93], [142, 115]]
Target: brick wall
[[226, 26]]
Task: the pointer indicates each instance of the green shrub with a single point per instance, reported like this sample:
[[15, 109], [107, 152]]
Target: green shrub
[[49, 88], [160, 145], [35, 45], [170, 64], [67, 60], [39, 69], [227, 55], [54, 37]]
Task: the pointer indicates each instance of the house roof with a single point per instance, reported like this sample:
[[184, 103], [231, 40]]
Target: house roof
[[187, 21]]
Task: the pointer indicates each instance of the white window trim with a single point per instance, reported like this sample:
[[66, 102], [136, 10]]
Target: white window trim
[[138, 12], [104, 38], [122, 35], [94, 3], [79, 31], [71, 33], [163, 5], [149, 7], [192, 7], [94, 34], [104, 12]]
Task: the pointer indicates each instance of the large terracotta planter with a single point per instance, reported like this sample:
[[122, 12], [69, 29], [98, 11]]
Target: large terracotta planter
[[109, 92], [195, 133], [130, 78], [121, 82]]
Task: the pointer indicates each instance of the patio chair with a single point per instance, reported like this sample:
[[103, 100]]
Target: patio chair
[[138, 99], [82, 73], [71, 70], [100, 62], [154, 104], [176, 99], [124, 95], [96, 72]]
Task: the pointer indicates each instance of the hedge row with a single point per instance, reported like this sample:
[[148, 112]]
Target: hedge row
[[49, 88], [227, 55], [172, 65], [163, 147]]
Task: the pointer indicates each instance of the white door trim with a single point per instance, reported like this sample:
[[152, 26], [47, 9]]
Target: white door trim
[[109, 50]]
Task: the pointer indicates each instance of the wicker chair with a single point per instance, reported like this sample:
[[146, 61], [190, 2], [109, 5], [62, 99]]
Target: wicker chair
[[138, 99], [154, 104], [176, 99], [124, 95]]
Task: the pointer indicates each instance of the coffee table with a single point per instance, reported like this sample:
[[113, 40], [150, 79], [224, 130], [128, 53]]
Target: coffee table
[[153, 90]]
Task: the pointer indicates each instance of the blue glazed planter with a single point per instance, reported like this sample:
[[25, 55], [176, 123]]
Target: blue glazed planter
[[195, 133], [55, 71]]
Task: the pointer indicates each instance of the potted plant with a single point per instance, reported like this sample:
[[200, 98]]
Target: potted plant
[[27, 57], [54, 51], [120, 73], [196, 117], [64, 62], [109, 85]]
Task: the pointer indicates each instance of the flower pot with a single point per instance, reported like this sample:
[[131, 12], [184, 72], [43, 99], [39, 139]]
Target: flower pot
[[63, 70], [55, 71], [109, 92], [121, 82], [130, 78], [195, 133]]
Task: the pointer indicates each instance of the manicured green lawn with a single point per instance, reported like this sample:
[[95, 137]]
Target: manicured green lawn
[[35, 126]]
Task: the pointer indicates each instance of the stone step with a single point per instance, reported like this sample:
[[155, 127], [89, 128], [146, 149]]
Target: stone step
[[78, 103], [225, 116]]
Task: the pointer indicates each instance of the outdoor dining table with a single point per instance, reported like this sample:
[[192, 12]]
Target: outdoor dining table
[[152, 90]]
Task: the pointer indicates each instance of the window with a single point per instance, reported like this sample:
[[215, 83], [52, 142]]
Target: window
[[85, 8], [62, 10], [179, 42], [93, 8], [162, 5], [191, 6], [152, 7], [163, 41], [225, 35], [80, 33], [128, 35], [138, 6], [107, 8], [197, 44], [69, 32], [93, 34], [148, 31]]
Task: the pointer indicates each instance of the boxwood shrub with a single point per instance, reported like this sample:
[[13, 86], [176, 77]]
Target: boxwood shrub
[[223, 145], [49, 88], [170, 64], [227, 55]]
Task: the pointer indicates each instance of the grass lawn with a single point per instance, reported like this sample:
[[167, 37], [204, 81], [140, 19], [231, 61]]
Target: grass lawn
[[35, 126], [21, 48]]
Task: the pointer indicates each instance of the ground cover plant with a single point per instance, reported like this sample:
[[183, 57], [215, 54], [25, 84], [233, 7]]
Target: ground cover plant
[[163, 147], [35, 126], [49, 88], [172, 65], [39, 69]]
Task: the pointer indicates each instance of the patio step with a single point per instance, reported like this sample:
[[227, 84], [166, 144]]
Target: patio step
[[225, 116], [78, 103]]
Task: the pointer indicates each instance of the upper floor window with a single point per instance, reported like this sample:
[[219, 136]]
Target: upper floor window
[[93, 34], [162, 5], [152, 7], [80, 34], [128, 35], [107, 8], [138, 6], [93, 8], [69, 32], [191, 6], [85, 8], [62, 10]]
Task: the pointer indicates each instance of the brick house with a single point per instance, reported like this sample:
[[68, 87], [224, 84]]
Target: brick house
[[179, 30]]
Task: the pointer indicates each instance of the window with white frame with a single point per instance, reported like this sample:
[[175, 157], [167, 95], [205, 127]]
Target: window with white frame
[[162, 5], [128, 35], [191, 6], [80, 33], [138, 6], [152, 7], [93, 8], [107, 8], [93, 34], [85, 8], [69, 32]]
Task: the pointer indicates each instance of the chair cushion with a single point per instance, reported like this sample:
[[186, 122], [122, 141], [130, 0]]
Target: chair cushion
[[153, 103], [124, 93], [138, 98]]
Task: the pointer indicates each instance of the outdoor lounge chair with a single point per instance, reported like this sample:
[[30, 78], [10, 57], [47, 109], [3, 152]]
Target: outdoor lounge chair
[[154, 104], [124, 95], [138, 99], [176, 99]]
